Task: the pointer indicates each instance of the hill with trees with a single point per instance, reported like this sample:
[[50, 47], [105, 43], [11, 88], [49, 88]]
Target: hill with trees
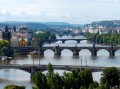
[[106, 24]]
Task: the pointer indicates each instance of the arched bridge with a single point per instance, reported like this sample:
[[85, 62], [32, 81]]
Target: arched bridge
[[32, 69], [58, 49], [65, 39]]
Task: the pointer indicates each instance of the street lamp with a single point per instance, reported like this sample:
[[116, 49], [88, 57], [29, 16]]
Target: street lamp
[[39, 59], [33, 57], [81, 65]]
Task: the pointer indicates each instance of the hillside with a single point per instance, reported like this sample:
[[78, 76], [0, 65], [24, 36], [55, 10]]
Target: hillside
[[107, 24], [31, 25], [40, 25]]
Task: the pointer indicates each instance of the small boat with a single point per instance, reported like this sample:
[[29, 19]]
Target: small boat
[[4, 58], [9, 57]]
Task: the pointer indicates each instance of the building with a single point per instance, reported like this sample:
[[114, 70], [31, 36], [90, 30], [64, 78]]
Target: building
[[22, 36]]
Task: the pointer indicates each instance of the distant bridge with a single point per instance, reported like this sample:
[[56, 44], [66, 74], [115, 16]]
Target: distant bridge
[[32, 69], [58, 49], [66, 39]]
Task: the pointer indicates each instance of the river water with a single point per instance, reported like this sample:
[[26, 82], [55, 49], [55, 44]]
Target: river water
[[18, 77]]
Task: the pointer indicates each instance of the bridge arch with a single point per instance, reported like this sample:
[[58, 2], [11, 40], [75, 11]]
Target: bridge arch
[[52, 50], [24, 70], [103, 52], [14, 74], [75, 41], [49, 52], [85, 51], [67, 50], [117, 52]]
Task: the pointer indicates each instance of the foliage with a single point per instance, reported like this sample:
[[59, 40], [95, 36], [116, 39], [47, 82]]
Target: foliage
[[50, 70], [55, 81], [72, 80], [39, 80], [5, 48], [108, 39], [14, 87], [87, 78], [75, 79], [110, 77], [44, 37]]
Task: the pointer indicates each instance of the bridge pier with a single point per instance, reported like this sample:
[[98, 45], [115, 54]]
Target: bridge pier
[[112, 53], [57, 50], [23, 52], [78, 41], [41, 52], [94, 53], [76, 53], [63, 41]]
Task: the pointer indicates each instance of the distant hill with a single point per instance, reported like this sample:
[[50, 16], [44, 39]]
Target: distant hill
[[107, 24], [58, 25], [30, 25], [40, 25]]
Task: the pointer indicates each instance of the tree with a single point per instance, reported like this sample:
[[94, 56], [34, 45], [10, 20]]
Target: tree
[[110, 76], [14, 87], [95, 84], [68, 80], [40, 81], [5, 48], [55, 82], [91, 86], [87, 78], [82, 87], [106, 85], [72, 80], [50, 70]]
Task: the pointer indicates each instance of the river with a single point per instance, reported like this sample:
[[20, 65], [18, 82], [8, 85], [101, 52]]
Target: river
[[18, 77]]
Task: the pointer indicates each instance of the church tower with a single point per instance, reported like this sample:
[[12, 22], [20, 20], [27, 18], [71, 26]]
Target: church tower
[[6, 35]]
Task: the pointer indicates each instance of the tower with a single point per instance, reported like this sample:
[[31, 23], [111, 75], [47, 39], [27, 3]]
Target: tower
[[6, 35], [14, 28]]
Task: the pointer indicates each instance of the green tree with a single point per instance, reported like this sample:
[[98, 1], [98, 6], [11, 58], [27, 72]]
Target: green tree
[[50, 71], [91, 86], [87, 78], [106, 85], [40, 81], [14, 87], [82, 87], [101, 87], [68, 80], [95, 84], [111, 76], [55, 81], [5, 48]]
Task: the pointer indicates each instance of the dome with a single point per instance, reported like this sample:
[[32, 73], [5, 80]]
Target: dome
[[23, 28]]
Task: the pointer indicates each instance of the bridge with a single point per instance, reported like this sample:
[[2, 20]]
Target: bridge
[[58, 49], [32, 69], [65, 39]]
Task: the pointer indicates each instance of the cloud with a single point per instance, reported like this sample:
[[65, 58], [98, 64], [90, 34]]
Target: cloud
[[73, 11]]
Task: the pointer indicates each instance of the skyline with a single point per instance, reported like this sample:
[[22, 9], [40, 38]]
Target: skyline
[[75, 12]]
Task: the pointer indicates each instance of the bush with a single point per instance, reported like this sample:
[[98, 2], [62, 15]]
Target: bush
[[14, 87]]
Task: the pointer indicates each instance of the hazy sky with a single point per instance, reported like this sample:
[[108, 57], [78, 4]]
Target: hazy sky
[[72, 11]]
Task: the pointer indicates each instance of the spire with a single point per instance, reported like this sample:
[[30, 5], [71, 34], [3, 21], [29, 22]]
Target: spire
[[6, 28], [14, 28]]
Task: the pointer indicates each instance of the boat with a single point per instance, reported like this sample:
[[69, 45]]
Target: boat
[[9, 57], [4, 58]]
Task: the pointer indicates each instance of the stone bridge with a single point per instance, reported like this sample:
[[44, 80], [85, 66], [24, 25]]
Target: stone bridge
[[66, 39], [32, 69], [75, 50]]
